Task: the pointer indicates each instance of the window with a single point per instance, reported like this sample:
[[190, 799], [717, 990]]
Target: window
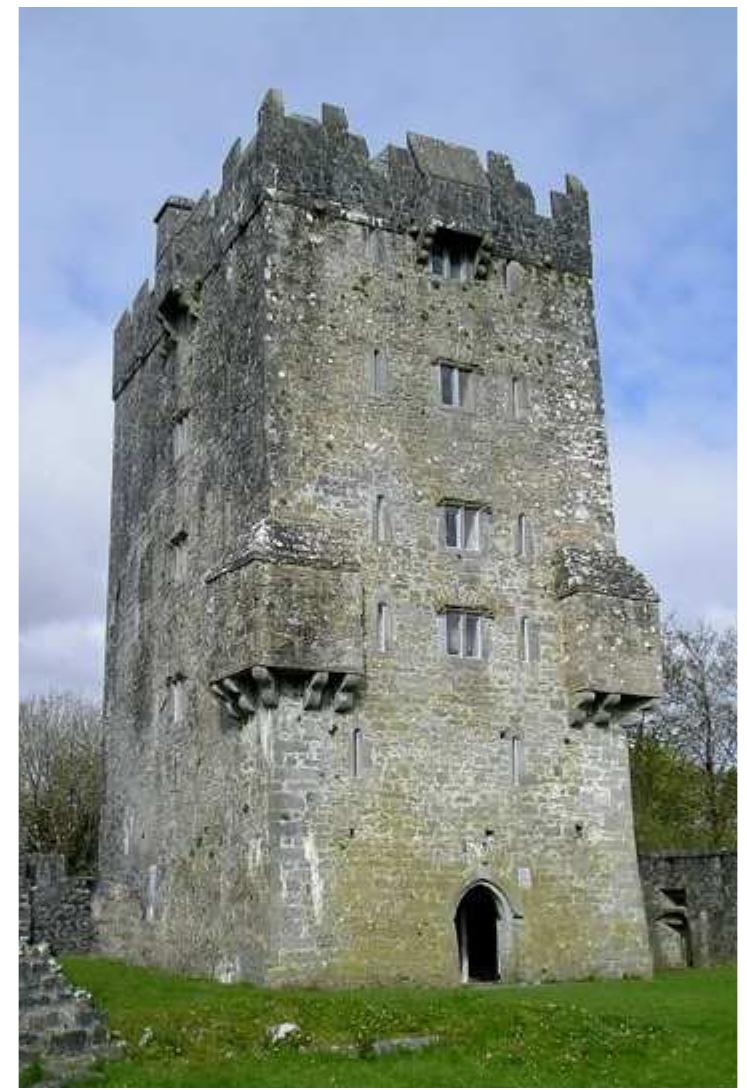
[[379, 371], [519, 401], [356, 752], [455, 385], [464, 636], [524, 538], [178, 698], [381, 519], [516, 760], [383, 627], [180, 435], [453, 256], [461, 527], [179, 549], [528, 640]]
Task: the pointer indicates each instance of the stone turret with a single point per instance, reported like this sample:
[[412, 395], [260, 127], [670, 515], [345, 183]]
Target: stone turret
[[370, 644]]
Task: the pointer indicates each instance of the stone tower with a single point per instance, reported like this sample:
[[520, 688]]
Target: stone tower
[[369, 640]]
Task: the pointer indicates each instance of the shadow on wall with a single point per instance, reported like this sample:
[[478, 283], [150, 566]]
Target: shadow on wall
[[691, 907]]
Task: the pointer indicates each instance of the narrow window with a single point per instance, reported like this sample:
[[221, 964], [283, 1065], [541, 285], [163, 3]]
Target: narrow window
[[524, 538], [470, 524], [382, 627], [463, 634], [461, 527], [381, 519], [451, 526], [356, 752], [518, 397], [180, 435], [449, 384], [453, 633], [179, 556], [471, 636], [178, 699], [515, 760], [438, 260], [379, 371], [528, 641]]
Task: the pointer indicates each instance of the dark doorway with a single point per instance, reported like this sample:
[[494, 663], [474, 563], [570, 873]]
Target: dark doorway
[[477, 934], [673, 946]]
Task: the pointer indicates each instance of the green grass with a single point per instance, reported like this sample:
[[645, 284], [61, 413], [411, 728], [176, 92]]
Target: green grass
[[676, 1030]]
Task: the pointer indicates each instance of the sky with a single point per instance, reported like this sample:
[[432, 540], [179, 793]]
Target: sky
[[121, 107]]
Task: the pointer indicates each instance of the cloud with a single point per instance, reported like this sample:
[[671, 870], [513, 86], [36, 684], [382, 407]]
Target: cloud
[[675, 499], [639, 103], [64, 477], [63, 656]]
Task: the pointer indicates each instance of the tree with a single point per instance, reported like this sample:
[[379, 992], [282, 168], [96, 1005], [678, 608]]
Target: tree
[[684, 752], [61, 777]]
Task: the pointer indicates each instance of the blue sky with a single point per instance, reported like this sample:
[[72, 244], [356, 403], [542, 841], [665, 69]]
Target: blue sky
[[120, 107]]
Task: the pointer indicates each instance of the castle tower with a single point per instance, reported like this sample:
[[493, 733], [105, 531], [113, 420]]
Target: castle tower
[[370, 644]]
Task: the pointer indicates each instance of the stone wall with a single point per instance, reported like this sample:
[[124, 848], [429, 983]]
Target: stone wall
[[59, 1028], [55, 907], [691, 907], [301, 783]]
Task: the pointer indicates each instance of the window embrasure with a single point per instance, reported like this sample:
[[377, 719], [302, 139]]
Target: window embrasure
[[455, 385], [529, 650], [524, 537], [461, 526], [453, 255], [383, 627], [464, 633]]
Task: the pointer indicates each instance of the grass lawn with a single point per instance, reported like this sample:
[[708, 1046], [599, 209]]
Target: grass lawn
[[676, 1030]]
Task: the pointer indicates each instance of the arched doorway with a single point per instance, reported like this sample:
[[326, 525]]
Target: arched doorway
[[673, 948], [477, 919]]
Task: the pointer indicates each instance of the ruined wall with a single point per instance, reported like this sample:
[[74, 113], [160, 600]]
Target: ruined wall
[[295, 789], [55, 907], [691, 907]]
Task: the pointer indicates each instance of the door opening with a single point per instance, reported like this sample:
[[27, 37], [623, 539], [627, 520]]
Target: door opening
[[477, 934]]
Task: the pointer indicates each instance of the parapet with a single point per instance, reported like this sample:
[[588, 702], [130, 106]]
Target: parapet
[[426, 181], [609, 616], [320, 163], [591, 571], [288, 598]]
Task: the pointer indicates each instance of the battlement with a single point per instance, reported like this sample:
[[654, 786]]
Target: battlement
[[425, 181], [322, 163]]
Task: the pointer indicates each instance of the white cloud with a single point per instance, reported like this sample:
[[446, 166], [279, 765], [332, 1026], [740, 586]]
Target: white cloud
[[675, 498], [63, 656], [607, 94], [64, 478]]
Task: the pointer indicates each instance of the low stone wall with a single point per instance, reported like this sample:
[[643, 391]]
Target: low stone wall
[[55, 907], [691, 907], [60, 1031]]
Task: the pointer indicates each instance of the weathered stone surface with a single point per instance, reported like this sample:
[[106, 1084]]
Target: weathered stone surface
[[691, 907], [54, 907], [387, 1045], [284, 460], [58, 1025]]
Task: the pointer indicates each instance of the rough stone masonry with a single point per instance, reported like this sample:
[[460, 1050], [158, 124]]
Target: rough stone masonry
[[370, 644]]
